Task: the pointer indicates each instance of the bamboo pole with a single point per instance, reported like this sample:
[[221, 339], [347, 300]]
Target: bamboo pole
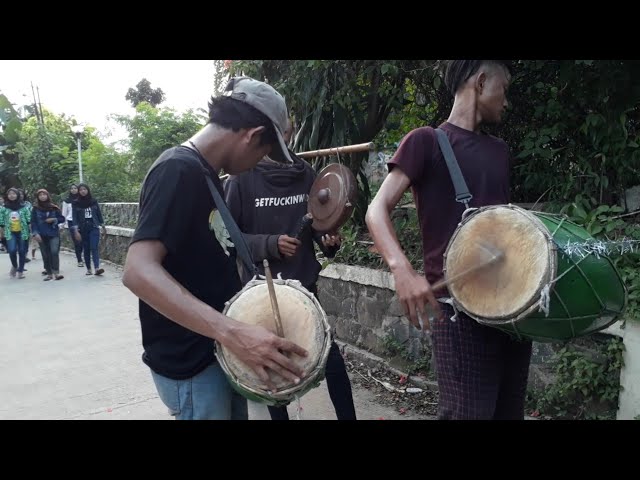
[[326, 152], [361, 147]]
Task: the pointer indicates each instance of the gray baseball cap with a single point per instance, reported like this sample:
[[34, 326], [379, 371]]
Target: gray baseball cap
[[267, 100]]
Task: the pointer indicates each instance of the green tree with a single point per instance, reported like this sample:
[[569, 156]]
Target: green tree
[[106, 170], [48, 155], [144, 93], [574, 130], [10, 126], [153, 130], [337, 102]]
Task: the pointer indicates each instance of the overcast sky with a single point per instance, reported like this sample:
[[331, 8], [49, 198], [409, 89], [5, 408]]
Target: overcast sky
[[89, 90]]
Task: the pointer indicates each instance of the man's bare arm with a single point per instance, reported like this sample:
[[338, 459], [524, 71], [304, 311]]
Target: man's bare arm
[[413, 290]]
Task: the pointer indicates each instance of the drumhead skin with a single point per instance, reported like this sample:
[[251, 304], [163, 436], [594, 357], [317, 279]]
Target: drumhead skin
[[537, 292], [303, 322], [510, 286]]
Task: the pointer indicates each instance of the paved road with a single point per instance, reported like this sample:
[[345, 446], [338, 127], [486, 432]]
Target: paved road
[[71, 350]]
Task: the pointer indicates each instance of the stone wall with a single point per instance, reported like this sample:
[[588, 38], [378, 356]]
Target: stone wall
[[113, 246], [120, 220], [364, 311], [120, 214]]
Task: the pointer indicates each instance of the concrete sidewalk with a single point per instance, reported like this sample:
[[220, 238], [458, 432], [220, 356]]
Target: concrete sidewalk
[[70, 349]]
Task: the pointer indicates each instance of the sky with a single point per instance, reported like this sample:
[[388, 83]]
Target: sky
[[90, 90]]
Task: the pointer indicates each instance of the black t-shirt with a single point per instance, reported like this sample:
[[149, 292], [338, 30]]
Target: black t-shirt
[[176, 208]]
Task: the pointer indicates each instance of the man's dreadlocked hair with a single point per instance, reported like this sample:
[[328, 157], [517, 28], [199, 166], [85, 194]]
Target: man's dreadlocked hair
[[459, 71]]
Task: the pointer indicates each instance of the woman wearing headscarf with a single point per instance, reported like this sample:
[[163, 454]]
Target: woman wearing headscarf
[[31, 244], [67, 212], [15, 218], [88, 223], [45, 218]]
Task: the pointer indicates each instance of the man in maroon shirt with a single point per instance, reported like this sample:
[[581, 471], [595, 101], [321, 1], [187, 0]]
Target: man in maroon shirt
[[482, 372]]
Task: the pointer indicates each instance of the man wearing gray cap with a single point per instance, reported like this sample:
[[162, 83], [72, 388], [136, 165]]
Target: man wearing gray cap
[[180, 264]]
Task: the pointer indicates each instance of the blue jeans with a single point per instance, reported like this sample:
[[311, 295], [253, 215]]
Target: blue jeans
[[17, 249], [90, 245], [77, 245], [50, 250], [207, 396]]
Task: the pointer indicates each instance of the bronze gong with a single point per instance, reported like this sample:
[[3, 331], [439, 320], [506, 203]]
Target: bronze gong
[[332, 198]]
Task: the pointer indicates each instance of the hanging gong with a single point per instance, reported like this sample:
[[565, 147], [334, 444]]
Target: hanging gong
[[332, 198]]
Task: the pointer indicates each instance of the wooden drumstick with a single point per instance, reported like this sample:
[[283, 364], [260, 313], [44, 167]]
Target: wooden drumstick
[[274, 300], [488, 255]]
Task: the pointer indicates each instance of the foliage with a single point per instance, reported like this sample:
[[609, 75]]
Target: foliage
[[338, 102], [587, 385], [573, 129], [153, 130], [106, 171], [48, 153], [357, 249], [606, 222], [144, 93], [414, 363], [10, 126]]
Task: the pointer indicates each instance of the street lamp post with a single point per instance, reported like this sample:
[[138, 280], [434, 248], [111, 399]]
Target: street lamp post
[[77, 130]]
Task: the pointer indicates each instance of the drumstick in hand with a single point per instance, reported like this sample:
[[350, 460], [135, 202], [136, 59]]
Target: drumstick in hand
[[274, 300]]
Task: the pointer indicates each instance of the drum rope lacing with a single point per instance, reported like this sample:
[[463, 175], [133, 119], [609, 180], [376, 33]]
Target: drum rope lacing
[[545, 293], [298, 408]]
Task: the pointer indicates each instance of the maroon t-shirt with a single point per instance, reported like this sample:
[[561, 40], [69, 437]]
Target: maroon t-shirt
[[484, 161]]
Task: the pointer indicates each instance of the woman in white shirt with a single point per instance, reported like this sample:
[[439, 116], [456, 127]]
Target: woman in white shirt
[[67, 211]]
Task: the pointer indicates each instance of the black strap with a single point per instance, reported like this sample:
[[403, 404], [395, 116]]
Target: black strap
[[234, 232], [462, 191]]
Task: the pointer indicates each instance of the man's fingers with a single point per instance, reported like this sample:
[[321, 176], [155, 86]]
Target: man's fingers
[[413, 317], [288, 346], [264, 377], [423, 319], [437, 311], [283, 372], [294, 242]]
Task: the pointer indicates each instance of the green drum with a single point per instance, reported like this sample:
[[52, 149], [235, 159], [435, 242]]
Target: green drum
[[537, 291], [304, 323]]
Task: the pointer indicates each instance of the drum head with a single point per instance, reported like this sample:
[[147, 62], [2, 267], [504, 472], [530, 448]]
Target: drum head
[[301, 321], [332, 198], [506, 289]]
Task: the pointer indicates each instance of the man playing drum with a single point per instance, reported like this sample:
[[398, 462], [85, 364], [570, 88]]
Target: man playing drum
[[482, 372], [268, 203], [182, 268]]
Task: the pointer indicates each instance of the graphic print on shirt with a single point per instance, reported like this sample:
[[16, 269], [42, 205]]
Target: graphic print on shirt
[[217, 226], [15, 221]]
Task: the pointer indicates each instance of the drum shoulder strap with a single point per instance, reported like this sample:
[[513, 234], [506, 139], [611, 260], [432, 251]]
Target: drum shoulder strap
[[462, 191], [234, 231]]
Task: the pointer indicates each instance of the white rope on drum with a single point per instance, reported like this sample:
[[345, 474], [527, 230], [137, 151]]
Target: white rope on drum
[[545, 293], [298, 408], [545, 299]]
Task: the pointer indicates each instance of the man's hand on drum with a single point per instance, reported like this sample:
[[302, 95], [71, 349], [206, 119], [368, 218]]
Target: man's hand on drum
[[288, 246], [261, 350], [414, 293]]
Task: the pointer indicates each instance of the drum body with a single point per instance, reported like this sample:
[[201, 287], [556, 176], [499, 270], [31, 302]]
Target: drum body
[[304, 323], [537, 291]]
